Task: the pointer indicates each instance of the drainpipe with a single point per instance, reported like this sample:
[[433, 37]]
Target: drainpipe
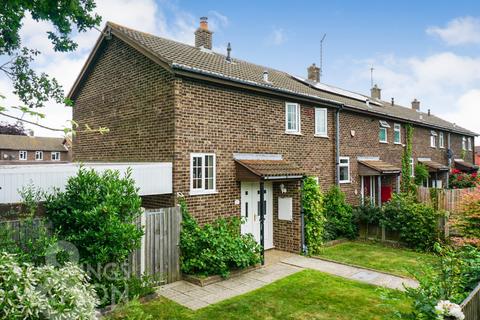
[[302, 219], [337, 145], [449, 155]]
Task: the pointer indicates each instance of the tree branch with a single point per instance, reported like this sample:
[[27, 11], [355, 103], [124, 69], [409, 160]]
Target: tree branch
[[31, 122]]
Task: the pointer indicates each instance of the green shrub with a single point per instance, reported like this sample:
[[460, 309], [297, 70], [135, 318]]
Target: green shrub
[[416, 223], [312, 202], [368, 213], [339, 216], [96, 213], [453, 278], [215, 248], [29, 292], [421, 174]]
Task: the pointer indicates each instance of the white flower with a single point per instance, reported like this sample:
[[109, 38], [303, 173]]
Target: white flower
[[447, 308]]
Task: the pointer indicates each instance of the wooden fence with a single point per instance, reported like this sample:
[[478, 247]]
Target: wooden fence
[[471, 305], [159, 253], [447, 199]]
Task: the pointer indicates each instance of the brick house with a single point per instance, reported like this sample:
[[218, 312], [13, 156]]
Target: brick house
[[233, 129], [16, 149], [477, 155]]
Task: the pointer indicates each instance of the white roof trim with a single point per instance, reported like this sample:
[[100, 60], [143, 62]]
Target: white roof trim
[[257, 156]]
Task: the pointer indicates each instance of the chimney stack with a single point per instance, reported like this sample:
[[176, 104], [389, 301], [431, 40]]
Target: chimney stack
[[203, 36], [416, 105], [376, 92], [313, 73]]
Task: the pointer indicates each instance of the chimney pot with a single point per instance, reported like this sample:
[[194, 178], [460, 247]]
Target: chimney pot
[[428, 111], [229, 49], [393, 101], [416, 105], [203, 36], [313, 73], [376, 92]]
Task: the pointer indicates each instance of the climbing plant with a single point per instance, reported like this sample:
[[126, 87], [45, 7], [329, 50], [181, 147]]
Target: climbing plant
[[312, 202], [407, 185]]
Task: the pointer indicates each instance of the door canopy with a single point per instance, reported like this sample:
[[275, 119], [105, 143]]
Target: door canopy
[[268, 170]]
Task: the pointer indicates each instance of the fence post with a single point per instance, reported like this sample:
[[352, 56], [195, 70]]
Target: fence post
[[143, 241]]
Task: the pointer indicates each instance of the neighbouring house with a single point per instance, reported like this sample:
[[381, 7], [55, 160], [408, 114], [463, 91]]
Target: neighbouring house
[[241, 136], [17, 149]]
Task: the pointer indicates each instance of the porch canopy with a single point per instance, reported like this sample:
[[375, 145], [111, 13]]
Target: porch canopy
[[434, 167], [376, 168], [465, 166], [267, 170]]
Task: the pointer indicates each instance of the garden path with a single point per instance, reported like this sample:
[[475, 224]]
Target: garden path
[[278, 265]]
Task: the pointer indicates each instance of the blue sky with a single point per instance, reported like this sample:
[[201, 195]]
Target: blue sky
[[427, 50]]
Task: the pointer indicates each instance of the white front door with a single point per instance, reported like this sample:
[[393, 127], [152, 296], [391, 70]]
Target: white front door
[[250, 203]]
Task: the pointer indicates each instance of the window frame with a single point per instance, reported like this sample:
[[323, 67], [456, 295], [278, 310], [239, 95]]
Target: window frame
[[325, 122], [433, 139], [347, 165], [469, 143], [412, 168], [386, 135], [397, 127], [203, 190], [464, 143], [20, 152], [297, 130], [41, 156], [56, 153], [441, 140]]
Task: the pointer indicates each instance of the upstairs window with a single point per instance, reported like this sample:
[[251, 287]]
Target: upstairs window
[[55, 156], [441, 140], [292, 118], [382, 136], [469, 144], [464, 143], [202, 173], [22, 155], [344, 170], [433, 139], [397, 133], [321, 122], [38, 155]]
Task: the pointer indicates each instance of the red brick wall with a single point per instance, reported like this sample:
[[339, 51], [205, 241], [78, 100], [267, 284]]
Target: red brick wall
[[13, 155], [133, 97]]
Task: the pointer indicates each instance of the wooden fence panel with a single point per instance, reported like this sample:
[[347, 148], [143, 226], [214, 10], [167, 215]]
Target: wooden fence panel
[[447, 199], [471, 305]]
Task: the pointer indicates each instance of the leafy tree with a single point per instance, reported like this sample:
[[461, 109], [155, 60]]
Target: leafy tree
[[312, 202], [32, 88], [16, 129], [421, 174], [339, 214]]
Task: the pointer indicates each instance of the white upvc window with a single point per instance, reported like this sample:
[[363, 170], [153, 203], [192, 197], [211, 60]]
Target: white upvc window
[[22, 155], [344, 170], [469, 144], [292, 118], [412, 168], [38, 155], [433, 139], [382, 135], [202, 173], [397, 133], [321, 122], [441, 140], [464, 143], [55, 156]]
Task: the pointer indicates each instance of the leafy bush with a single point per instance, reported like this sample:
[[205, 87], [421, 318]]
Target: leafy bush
[[421, 174], [457, 273], [459, 180], [96, 213], [416, 223], [467, 222], [368, 213], [215, 248], [339, 215], [29, 292], [312, 202]]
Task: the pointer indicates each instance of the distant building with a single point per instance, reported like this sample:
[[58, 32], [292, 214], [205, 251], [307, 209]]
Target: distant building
[[15, 149]]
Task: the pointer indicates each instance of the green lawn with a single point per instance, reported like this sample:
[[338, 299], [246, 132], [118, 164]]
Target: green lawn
[[377, 256], [305, 295]]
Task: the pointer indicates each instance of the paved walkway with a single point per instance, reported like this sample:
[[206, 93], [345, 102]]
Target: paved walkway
[[277, 265]]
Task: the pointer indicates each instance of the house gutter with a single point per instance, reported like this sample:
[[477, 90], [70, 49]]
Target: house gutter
[[337, 145]]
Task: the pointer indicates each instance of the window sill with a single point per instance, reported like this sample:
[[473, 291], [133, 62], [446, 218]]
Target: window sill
[[294, 133], [344, 182], [398, 143], [202, 193], [384, 142], [321, 136]]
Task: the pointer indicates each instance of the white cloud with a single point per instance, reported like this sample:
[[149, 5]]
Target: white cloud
[[165, 20], [459, 31], [277, 37], [446, 83]]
